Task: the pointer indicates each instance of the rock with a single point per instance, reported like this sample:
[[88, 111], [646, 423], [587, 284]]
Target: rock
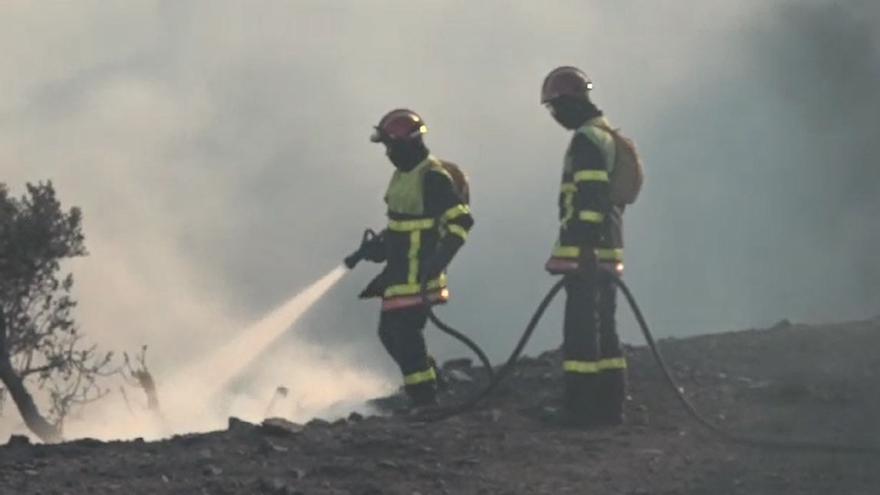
[[318, 423], [280, 426], [388, 464], [781, 324], [236, 424], [87, 442], [18, 441], [459, 376], [212, 470], [272, 447], [355, 417], [206, 453], [495, 415]]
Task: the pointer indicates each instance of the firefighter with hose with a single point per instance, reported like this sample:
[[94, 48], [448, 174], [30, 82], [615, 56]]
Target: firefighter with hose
[[428, 221], [601, 174]]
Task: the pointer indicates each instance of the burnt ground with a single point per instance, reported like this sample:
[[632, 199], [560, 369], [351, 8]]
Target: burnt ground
[[790, 381]]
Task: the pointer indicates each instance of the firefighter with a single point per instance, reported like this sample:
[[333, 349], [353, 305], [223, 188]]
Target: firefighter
[[428, 221], [590, 245]]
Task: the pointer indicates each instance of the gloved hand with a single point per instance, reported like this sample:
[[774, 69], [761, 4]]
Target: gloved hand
[[588, 262], [376, 287], [374, 248], [440, 260]]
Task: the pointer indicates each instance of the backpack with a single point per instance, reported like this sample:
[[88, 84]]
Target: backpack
[[628, 174], [459, 181]]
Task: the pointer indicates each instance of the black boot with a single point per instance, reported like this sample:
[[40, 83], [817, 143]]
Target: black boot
[[612, 395], [580, 400], [422, 395]]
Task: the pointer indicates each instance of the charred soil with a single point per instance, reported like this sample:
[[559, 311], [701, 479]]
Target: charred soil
[[789, 381]]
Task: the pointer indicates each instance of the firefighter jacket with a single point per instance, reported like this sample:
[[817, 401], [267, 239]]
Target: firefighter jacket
[[587, 218], [428, 221]]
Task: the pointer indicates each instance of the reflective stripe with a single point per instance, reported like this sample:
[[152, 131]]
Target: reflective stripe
[[568, 203], [568, 187], [561, 265], [581, 366], [458, 230], [415, 245], [566, 252], [612, 364], [410, 225], [456, 211], [602, 254], [413, 289], [436, 297], [609, 254], [429, 375], [591, 216], [591, 175]]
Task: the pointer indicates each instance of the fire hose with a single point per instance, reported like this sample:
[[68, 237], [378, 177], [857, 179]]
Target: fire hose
[[497, 377], [444, 412]]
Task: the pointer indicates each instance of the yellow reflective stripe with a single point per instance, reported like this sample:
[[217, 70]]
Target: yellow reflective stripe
[[456, 211], [568, 187], [591, 175], [458, 230], [568, 207], [609, 254], [612, 364], [413, 289], [581, 366], [567, 252], [410, 225], [591, 216], [415, 245], [429, 375]]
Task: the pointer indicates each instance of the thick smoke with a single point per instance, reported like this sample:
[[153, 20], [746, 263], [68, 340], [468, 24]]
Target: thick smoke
[[219, 151]]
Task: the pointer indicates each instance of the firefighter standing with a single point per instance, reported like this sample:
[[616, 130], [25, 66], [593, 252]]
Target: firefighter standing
[[590, 244], [428, 221]]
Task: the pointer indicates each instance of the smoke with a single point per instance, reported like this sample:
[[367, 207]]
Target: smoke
[[219, 152]]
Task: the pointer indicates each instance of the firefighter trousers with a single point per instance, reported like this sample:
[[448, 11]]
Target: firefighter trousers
[[402, 334], [593, 361]]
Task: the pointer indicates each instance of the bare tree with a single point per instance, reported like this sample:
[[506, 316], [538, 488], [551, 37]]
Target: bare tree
[[40, 347], [139, 375]]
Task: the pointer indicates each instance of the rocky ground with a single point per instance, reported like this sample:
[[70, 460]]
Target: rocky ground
[[790, 382]]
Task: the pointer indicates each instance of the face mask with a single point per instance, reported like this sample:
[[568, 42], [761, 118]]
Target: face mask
[[570, 114], [405, 155]]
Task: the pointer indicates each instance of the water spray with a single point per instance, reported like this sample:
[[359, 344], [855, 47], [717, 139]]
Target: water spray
[[229, 361]]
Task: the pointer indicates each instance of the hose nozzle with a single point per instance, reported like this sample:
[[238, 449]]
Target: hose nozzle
[[367, 241]]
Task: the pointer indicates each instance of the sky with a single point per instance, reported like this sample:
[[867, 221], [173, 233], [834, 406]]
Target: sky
[[219, 151]]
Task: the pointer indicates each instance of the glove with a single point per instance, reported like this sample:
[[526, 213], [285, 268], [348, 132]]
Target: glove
[[588, 262], [374, 248], [440, 260], [376, 287]]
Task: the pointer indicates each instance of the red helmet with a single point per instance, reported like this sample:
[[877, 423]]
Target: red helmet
[[565, 81], [400, 124]]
